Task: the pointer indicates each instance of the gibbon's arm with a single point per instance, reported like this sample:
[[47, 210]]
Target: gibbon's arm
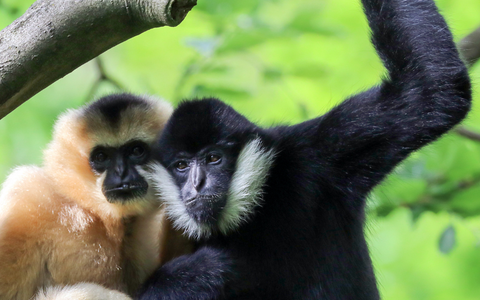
[[426, 93], [81, 291], [201, 276], [172, 244], [24, 214]]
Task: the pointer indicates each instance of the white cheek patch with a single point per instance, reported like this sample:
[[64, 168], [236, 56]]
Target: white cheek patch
[[246, 188], [145, 172], [169, 194]]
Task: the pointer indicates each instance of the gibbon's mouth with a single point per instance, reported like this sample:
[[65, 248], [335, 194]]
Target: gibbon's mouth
[[126, 192], [205, 209]]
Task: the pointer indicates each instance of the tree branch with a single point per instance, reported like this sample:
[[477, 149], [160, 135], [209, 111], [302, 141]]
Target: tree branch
[[102, 77], [54, 37], [467, 133], [469, 47]]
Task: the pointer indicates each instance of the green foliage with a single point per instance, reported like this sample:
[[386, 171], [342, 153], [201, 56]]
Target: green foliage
[[283, 61]]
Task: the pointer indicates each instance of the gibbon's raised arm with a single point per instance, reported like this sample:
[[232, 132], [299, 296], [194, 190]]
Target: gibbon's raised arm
[[426, 92]]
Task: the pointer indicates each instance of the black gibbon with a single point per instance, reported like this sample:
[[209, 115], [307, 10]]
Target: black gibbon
[[279, 212], [89, 213]]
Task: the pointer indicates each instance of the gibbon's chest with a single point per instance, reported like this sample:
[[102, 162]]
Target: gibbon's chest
[[82, 249]]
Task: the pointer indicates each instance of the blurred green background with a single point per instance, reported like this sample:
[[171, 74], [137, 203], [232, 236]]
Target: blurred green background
[[284, 61]]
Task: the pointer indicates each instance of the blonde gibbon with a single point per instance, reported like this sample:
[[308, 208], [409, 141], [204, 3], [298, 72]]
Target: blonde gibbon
[[87, 221]]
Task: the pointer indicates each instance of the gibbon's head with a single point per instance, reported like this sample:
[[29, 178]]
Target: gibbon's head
[[99, 153], [214, 164]]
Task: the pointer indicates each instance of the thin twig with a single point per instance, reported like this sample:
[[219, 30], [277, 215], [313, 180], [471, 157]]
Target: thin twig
[[474, 136], [103, 76], [469, 47]]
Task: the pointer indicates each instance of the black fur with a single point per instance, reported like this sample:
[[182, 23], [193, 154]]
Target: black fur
[[307, 241], [111, 107], [214, 122], [196, 276]]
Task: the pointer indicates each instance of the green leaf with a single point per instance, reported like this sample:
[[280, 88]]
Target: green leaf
[[245, 39], [384, 210], [310, 70], [309, 21], [417, 211], [447, 240], [272, 74], [221, 92], [221, 7], [466, 201]]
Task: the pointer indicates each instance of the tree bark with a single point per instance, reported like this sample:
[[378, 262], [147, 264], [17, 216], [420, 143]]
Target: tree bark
[[54, 37]]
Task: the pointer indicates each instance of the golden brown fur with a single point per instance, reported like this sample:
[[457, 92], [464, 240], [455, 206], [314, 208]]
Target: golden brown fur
[[57, 227]]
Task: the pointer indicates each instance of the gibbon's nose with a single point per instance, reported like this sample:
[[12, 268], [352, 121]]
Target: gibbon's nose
[[197, 177], [119, 166]]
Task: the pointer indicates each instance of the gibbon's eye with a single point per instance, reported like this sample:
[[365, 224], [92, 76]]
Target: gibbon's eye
[[100, 157], [138, 151], [181, 165], [213, 158]]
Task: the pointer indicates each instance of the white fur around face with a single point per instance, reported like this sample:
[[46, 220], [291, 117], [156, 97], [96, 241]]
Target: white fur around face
[[246, 189], [244, 194], [169, 194]]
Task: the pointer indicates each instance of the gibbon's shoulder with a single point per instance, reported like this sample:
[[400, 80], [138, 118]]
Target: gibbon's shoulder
[[28, 202]]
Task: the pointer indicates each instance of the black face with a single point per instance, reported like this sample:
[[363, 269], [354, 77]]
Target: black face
[[122, 181], [199, 146], [203, 179]]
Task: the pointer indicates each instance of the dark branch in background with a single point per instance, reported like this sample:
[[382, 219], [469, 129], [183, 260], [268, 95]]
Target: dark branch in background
[[441, 201], [438, 196], [469, 47], [468, 133], [54, 37], [103, 76]]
